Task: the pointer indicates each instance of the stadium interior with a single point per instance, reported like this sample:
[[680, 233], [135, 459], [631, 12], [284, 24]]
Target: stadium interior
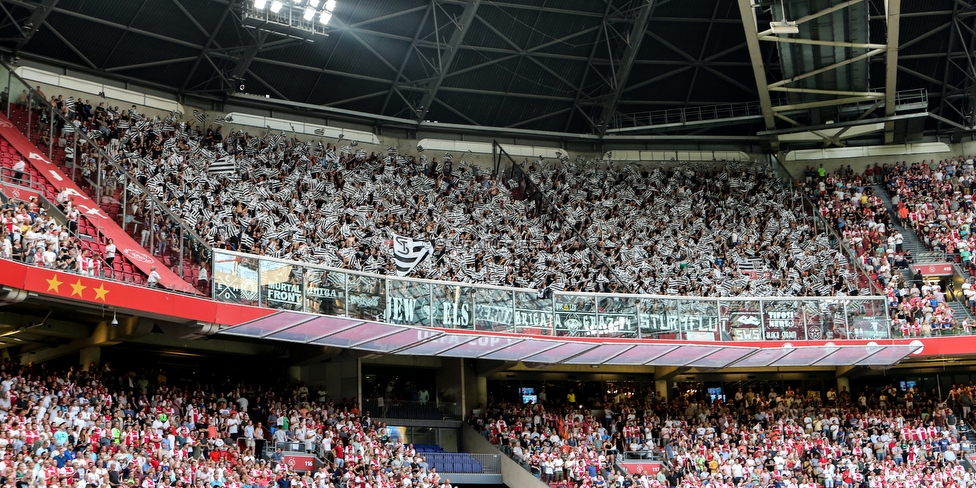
[[456, 243]]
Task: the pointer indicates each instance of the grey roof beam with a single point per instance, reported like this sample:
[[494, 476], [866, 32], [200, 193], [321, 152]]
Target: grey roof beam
[[150, 64], [948, 52], [462, 27], [534, 8], [477, 91], [210, 40], [523, 52], [891, 65], [245, 60], [842, 124], [37, 18], [586, 71], [368, 47], [622, 73], [696, 63], [408, 55], [317, 70], [701, 54], [109, 23], [71, 46], [122, 37], [758, 63]]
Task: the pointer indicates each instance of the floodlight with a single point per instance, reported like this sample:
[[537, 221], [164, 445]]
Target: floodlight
[[784, 27], [330, 5], [260, 4], [325, 17], [309, 13], [276, 6]]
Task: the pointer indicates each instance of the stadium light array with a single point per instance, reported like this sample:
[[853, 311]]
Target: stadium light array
[[308, 11], [288, 16]]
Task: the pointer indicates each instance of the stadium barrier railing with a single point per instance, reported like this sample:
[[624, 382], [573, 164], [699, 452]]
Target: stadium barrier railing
[[16, 94], [289, 285]]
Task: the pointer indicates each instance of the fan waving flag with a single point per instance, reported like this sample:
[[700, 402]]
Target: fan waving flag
[[409, 253]]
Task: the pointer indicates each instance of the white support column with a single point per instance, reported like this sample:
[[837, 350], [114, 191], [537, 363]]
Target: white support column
[[891, 63], [758, 66]]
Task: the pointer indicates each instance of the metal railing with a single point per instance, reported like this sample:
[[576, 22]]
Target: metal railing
[[383, 408], [489, 463], [55, 213], [686, 115], [36, 104], [289, 285]]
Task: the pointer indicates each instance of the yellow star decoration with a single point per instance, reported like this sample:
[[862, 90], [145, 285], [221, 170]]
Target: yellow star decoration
[[77, 288], [54, 284], [100, 292]]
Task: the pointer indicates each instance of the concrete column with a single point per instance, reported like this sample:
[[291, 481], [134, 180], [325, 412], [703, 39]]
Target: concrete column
[[294, 373], [90, 357], [663, 390], [341, 376], [475, 387], [449, 382], [843, 383]]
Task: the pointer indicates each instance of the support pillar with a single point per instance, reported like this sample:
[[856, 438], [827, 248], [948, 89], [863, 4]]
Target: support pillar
[[90, 357], [294, 373], [662, 390], [341, 376], [475, 388], [843, 384]]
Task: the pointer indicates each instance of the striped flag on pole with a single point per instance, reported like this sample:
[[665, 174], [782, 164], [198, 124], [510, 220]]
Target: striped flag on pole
[[409, 253]]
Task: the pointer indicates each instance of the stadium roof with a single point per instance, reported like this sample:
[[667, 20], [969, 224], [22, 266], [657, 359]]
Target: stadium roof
[[379, 338], [576, 66]]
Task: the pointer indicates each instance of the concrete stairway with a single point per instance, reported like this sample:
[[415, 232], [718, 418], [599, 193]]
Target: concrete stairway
[[920, 252]]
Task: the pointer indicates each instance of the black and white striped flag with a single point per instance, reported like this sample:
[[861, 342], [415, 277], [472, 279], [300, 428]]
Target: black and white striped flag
[[409, 253], [202, 117]]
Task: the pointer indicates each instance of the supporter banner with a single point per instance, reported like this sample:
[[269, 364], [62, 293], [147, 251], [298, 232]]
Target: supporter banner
[[235, 279], [282, 285], [367, 297], [785, 324], [533, 313], [409, 304], [104, 293], [493, 309], [454, 306], [423, 304], [325, 292], [409, 253], [126, 245], [745, 326]]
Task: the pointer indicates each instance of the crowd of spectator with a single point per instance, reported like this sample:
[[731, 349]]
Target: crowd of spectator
[[31, 236], [125, 428], [723, 230], [728, 229], [847, 200], [876, 438]]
